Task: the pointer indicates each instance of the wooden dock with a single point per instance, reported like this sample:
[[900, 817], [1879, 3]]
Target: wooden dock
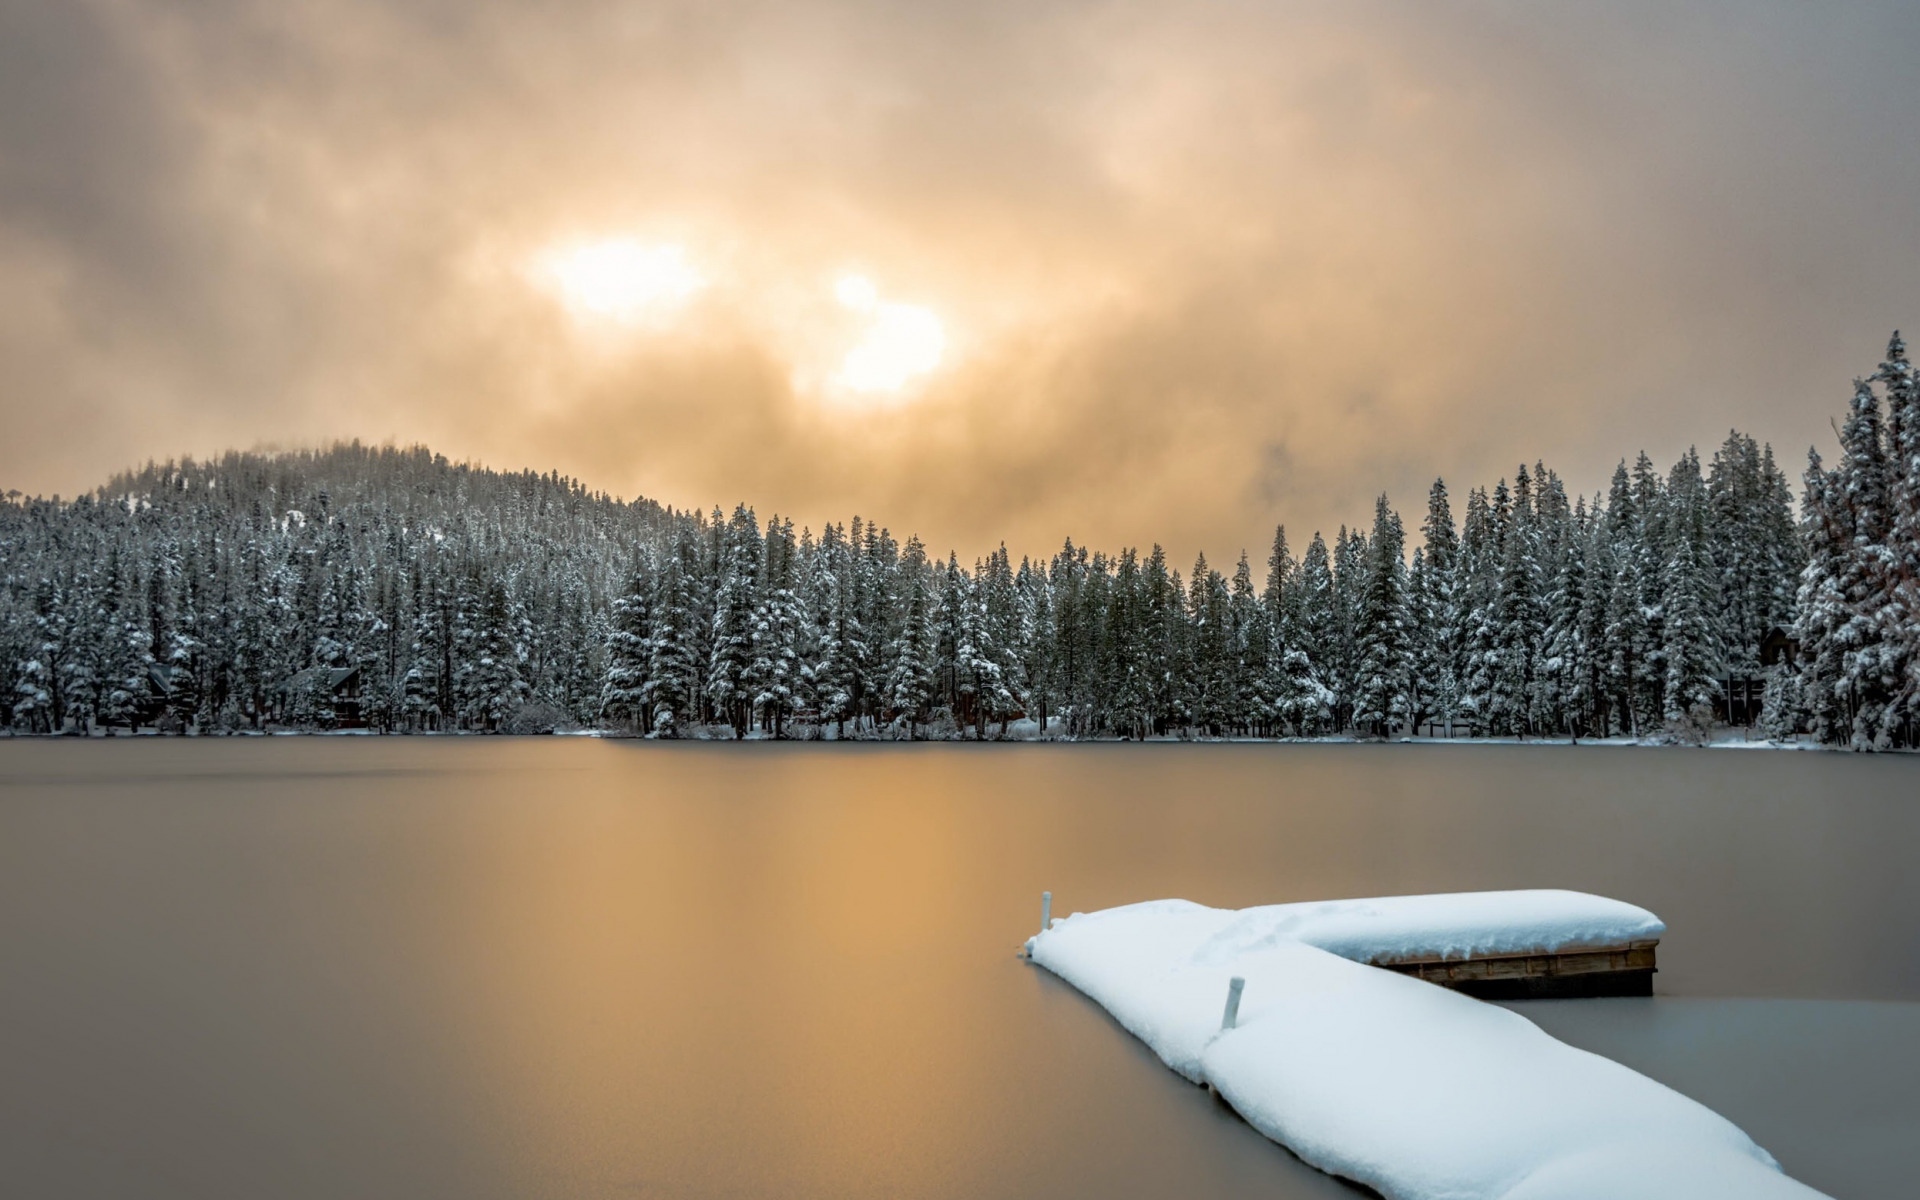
[[1602, 971]]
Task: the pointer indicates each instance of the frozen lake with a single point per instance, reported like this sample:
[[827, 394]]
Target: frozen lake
[[322, 967]]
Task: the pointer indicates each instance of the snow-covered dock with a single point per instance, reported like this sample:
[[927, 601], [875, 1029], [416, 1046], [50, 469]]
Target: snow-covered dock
[[1416, 1091], [1495, 945]]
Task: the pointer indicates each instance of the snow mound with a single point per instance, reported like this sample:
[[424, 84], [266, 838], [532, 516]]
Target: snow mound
[[1416, 1091], [1393, 929]]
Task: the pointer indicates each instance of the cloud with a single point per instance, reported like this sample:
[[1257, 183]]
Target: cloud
[[1202, 267]]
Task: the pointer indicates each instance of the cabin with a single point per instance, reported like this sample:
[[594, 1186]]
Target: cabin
[[163, 681], [1778, 647], [328, 689], [1740, 699], [1741, 696]]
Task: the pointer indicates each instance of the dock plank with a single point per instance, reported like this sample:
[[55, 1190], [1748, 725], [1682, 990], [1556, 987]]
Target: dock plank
[[1604, 971]]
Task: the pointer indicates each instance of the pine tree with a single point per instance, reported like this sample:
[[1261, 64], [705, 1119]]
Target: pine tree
[[1310, 701], [1250, 635], [827, 673], [1001, 616], [1209, 665], [494, 686], [1900, 613], [1821, 607], [126, 661], [1516, 625], [674, 675], [1690, 599], [1783, 705], [1383, 688], [1865, 578], [979, 683], [1562, 683], [1037, 639], [775, 674], [1434, 617], [1347, 599], [623, 698], [910, 674], [735, 597]]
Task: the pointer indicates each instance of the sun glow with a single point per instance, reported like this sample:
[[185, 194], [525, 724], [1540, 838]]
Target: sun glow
[[899, 344], [621, 279]]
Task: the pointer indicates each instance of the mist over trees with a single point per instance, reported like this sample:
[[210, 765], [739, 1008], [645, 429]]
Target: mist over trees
[[393, 590]]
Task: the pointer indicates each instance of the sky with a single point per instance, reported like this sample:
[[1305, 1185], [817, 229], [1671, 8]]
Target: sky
[[1127, 272]]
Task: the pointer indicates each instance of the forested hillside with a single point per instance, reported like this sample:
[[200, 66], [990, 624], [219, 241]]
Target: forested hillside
[[393, 590]]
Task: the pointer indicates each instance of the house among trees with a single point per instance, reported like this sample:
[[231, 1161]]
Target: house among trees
[[328, 697], [1778, 648]]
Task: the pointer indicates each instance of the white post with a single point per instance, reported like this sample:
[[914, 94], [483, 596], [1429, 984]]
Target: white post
[[1232, 1015], [1046, 911]]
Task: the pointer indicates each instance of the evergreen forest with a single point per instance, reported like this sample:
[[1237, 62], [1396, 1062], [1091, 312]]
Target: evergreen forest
[[394, 591]]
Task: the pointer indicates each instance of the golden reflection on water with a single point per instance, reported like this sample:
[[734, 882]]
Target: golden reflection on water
[[695, 957]]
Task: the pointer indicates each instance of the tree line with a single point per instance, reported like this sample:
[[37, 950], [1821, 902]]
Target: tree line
[[394, 590]]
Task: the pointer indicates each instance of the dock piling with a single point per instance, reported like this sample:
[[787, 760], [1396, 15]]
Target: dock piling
[[1046, 911], [1232, 1015]]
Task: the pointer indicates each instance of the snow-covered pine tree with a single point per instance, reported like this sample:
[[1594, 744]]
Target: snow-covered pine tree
[[494, 688], [1900, 614], [736, 595], [879, 608], [1562, 683], [1383, 683], [1210, 682], [1249, 636], [1652, 547], [1280, 600], [1554, 538], [1476, 600], [1517, 624], [1037, 639], [950, 618], [911, 657], [778, 619], [1596, 610], [827, 673], [1129, 643], [1311, 701], [1690, 599], [629, 677], [1821, 608], [979, 680], [675, 674], [1348, 599], [1163, 636], [1001, 612], [1072, 640], [1782, 704], [418, 690], [126, 660], [1867, 572], [1435, 623]]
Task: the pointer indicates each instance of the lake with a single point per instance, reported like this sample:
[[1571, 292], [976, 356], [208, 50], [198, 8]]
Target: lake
[[559, 967]]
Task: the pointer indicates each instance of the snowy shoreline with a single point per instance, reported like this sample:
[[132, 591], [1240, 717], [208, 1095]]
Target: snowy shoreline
[[721, 734]]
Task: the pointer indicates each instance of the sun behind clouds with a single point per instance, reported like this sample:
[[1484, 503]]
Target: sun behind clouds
[[616, 284], [900, 343], [621, 279]]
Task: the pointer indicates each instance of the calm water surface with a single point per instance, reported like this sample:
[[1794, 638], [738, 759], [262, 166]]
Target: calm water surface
[[568, 968]]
